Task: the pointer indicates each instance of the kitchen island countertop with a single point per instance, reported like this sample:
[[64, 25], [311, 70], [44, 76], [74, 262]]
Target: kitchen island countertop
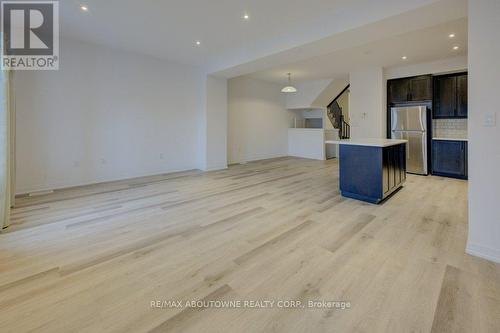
[[368, 142], [450, 139]]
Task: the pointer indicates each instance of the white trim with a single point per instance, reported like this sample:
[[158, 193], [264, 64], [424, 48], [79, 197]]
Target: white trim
[[483, 252], [258, 157], [215, 168], [54, 186]]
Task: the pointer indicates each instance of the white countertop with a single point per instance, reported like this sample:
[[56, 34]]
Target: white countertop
[[367, 142], [305, 129], [450, 139]]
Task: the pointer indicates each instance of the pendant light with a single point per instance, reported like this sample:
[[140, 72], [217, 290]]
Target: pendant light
[[289, 88]]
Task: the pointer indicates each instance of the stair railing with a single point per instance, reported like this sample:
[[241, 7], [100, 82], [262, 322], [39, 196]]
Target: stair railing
[[344, 129], [335, 114]]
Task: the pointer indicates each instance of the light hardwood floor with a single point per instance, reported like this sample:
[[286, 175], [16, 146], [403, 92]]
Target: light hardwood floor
[[92, 259]]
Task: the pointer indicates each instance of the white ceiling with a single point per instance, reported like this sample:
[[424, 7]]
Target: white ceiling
[[169, 28], [418, 46]]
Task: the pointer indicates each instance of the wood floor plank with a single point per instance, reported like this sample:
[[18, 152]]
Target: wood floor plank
[[457, 309], [350, 231], [283, 237], [175, 323], [92, 258]]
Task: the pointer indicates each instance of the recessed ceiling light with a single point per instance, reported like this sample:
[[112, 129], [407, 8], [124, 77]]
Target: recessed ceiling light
[[84, 8], [198, 42], [451, 35], [246, 16], [455, 48], [404, 57]]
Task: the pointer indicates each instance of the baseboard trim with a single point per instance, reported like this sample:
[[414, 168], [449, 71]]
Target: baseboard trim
[[483, 252], [256, 158], [24, 192], [215, 168]]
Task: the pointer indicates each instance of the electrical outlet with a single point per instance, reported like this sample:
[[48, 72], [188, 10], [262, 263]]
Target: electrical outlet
[[161, 156], [490, 119]]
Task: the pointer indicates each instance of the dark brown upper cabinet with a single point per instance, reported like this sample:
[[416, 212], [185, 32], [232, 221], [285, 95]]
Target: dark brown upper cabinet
[[421, 88], [399, 90], [445, 101], [450, 96], [413, 89], [462, 96]]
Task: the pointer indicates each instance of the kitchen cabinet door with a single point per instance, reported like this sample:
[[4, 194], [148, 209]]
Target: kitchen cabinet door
[[445, 97], [394, 168], [399, 91], [462, 96], [421, 88], [449, 158]]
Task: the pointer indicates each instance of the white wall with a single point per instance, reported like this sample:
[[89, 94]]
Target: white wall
[[367, 103], [484, 151], [215, 123], [316, 94], [307, 143], [258, 121], [306, 95], [448, 65], [329, 93], [105, 115]]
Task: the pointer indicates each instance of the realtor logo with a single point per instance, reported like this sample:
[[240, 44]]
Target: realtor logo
[[30, 35]]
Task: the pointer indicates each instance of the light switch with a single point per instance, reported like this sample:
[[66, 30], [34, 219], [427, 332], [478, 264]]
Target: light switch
[[490, 119]]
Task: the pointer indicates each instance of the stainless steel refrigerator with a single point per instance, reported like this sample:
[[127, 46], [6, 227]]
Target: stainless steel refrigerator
[[410, 123]]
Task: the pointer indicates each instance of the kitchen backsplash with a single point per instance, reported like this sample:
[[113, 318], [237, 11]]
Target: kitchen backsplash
[[450, 128]]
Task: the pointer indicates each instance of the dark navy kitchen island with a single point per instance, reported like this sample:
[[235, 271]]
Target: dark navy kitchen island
[[371, 169]]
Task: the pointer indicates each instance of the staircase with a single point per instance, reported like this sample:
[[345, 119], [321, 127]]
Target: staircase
[[334, 112]]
